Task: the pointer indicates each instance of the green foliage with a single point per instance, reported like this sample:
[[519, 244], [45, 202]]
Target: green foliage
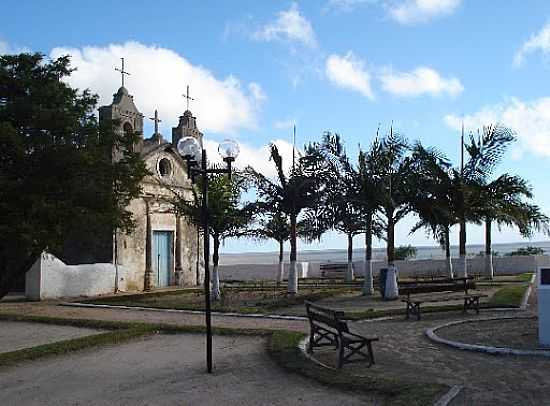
[[57, 175], [529, 250], [404, 252], [508, 296]]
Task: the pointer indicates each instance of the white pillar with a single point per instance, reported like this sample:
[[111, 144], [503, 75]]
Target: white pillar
[[349, 273], [280, 273], [216, 292], [450, 267], [489, 266]]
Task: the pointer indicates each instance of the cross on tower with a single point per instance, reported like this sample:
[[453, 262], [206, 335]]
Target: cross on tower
[[157, 120], [188, 97], [122, 72]]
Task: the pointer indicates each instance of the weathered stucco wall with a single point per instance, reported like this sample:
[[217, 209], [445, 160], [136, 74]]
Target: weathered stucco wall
[[501, 265], [51, 278]]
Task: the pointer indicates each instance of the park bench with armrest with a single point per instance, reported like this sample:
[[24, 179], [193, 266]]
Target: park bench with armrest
[[470, 300], [329, 329]]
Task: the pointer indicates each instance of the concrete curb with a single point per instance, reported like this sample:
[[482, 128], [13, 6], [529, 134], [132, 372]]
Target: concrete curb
[[154, 309], [449, 396], [431, 334]]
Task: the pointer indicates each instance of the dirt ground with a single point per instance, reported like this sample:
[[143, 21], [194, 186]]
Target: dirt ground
[[166, 370]]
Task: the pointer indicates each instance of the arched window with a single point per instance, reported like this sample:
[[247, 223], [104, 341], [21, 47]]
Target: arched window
[[127, 127], [164, 167]]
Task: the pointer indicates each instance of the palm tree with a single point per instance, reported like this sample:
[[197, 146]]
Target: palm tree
[[395, 174], [343, 194], [294, 194], [483, 155], [227, 215], [369, 199], [502, 203], [434, 196], [275, 225]]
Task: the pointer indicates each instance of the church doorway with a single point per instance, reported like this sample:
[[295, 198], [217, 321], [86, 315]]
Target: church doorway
[[162, 257]]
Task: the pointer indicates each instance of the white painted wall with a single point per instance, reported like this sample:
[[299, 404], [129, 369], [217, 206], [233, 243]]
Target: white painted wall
[[51, 278], [502, 266]]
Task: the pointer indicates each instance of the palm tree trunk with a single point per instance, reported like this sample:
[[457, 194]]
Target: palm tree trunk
[[368, 285], [292, 272], [448, 258], [216, 292], [489, 271], [349, 274], [462, 248], [281, 270], [390, 233]]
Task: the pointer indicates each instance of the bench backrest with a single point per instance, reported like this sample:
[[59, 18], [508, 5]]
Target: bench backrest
[[436, 287], [323, 315]]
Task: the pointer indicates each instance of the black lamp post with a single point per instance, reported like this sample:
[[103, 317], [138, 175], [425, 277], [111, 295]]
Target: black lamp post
[[190, 149]]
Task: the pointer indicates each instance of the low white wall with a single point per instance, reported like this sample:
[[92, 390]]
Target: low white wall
[[51, 278], [501, 265]]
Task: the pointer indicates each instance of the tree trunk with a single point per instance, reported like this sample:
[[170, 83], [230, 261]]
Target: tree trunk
[[462, 248], [390, 233], [281, 271], [292, 272], [349, 274], [448, 258], [368, 285], [216, 292], [489, 271]]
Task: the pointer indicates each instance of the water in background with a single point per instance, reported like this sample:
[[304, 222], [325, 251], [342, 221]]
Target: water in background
[[340, 255]]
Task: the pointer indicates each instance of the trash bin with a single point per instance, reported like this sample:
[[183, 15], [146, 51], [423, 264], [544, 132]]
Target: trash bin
[[391, 292]]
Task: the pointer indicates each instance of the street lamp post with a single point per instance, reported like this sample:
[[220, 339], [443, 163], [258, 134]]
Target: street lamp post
[[190, 149]]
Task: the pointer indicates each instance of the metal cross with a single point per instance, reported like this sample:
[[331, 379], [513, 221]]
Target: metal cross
[[122, 72], [157, 120], [188, 97]]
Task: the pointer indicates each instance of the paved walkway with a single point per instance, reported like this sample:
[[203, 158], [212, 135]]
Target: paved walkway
[[16, 335], [166, 370]]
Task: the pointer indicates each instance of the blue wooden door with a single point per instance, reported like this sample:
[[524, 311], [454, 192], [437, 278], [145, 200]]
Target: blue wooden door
[[162, 257]]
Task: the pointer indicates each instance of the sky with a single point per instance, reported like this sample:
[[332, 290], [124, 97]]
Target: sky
[[256, 68]]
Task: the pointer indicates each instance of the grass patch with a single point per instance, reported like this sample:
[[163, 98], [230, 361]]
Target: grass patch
[[234, 300], [283, 349], [508, 296]]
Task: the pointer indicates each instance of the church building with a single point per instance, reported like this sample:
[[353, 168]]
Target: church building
[[163, 250]]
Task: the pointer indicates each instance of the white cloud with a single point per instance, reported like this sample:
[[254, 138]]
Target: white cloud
[[258, 158], [349, 72], [419, 11], [159, 77], [289, 25], [422, 80], [537, 42], [530, 121]]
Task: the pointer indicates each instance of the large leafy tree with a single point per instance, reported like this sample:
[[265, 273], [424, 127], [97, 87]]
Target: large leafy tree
[[296, 193], [57, 174], [228, 215]]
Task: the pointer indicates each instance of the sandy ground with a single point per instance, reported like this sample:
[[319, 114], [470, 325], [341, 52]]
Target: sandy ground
[[166, 370], [19, 335]]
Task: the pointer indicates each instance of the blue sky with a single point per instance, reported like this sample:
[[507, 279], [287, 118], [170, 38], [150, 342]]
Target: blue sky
[[256, 67]]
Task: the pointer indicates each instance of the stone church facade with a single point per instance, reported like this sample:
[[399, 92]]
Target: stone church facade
[[163, 249]]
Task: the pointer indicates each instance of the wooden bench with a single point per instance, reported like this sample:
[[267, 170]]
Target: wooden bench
[[334, 270], [328, 329], [470, 301]]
